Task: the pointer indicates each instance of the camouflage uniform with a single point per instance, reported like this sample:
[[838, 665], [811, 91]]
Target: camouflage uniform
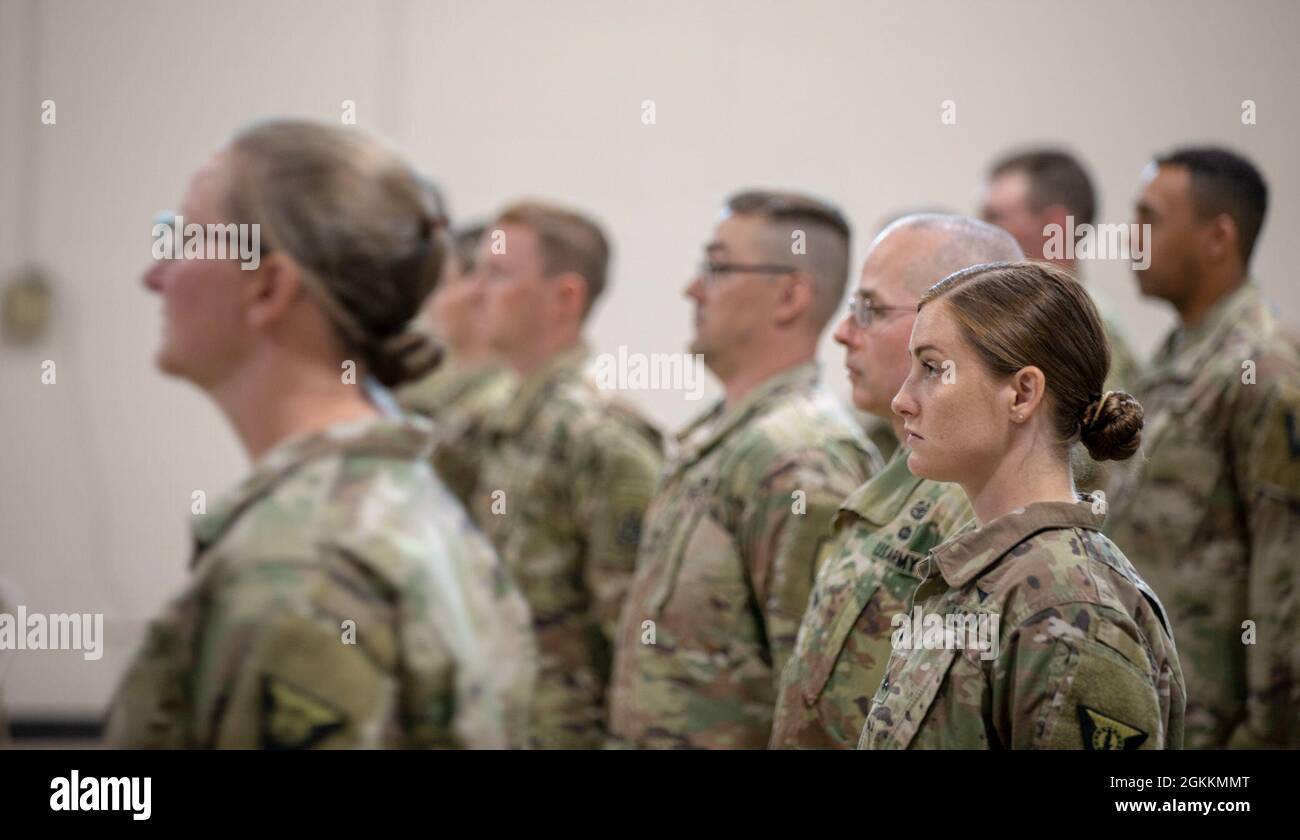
[[881, 432], [458, 400], [1210, 514], [881, 532], [344, 525], [1084, 658], [565, 483], [732, 543]]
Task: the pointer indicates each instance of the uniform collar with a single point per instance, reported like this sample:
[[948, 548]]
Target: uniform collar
[[446, 385], [881, 499], [969, 552], [707, 431], [405, 438], [1186, 351], [531, 392]]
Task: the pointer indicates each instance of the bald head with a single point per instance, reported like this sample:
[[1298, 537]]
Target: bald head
[[919, 250], [908, 257]]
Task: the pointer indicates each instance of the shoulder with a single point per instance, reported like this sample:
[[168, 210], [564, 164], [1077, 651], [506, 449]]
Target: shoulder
[[801, 433]]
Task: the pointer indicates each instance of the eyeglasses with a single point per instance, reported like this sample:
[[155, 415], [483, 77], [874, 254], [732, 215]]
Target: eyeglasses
[[712, 271], [864, 310]]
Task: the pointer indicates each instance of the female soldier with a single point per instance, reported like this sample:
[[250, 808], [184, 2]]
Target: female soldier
[[340, 597], [1074, 649]]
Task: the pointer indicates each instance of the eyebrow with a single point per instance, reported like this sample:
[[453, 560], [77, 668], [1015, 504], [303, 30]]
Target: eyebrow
[[918, 351]]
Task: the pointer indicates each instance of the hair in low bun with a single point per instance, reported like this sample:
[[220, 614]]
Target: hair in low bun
[[1111, 426], [404, 357], [367, 233], [1018, 314]]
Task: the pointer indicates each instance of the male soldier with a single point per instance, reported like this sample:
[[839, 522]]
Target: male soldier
[[1025, 194], [886, 527], [741, 518], [1209, 516], [1029, 191], [567, 474], [468, 387]]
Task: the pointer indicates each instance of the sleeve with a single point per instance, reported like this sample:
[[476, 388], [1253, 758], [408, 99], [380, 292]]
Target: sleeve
[[613, 491], [1069, 678], [289, 658], [785, 533], [1266, 446]]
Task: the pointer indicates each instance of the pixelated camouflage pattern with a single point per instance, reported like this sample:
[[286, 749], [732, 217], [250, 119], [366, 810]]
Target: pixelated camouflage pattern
[[1084, 657], [1209, 512], [881, 533], [344, 525], [459, 400], [727, 564], [566, 479]]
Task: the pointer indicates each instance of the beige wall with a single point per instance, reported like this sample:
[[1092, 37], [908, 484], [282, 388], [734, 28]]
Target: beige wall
[[499, 99]]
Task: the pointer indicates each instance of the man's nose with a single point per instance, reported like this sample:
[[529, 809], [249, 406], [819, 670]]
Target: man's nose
[[845, 332]]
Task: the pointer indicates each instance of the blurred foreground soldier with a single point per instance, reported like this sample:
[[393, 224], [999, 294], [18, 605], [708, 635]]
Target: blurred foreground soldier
[[1030, 629], [340, 596], [1028, 191], [889, 524], [1211, 515], [567, 472], [469, 386], [742, 516]]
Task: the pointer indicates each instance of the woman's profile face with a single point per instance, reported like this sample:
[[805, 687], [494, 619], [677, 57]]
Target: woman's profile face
[[203, 327], [956, 417]]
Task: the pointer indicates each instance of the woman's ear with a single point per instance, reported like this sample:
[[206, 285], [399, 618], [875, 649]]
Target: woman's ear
[[1028, 387], [270, 290]]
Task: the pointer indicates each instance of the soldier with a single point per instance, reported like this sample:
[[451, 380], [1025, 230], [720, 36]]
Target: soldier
[[568, 472], [1210, 514], [1027, 192], [469, 386], [742, 515], [884, 529], [1030, 629], [340, 596]]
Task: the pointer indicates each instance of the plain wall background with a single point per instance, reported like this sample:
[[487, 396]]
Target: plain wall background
[[503, 99]]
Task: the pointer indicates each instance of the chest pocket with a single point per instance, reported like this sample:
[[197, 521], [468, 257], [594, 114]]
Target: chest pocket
[[703, 591], [1183, 469], [906, 698]]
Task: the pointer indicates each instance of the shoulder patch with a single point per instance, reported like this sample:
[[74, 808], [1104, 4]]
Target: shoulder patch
[[1105, 733], [294, 720]]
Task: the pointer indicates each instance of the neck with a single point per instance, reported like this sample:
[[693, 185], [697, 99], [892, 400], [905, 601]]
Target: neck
[[1207, 294], [778, 360], [469, 358], [280, 401], [527, 363], [1019, 480]]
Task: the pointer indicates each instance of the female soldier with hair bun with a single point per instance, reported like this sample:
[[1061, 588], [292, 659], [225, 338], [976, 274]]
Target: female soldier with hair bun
[[340, 596], [1030, 628]]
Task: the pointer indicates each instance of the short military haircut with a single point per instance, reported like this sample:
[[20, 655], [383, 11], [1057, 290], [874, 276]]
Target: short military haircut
[[569, 241], [1055, 177], [964, 242], [827, 234], [1225, 182]]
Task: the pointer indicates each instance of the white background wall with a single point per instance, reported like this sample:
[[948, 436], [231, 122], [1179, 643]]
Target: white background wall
[[502, 99]]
